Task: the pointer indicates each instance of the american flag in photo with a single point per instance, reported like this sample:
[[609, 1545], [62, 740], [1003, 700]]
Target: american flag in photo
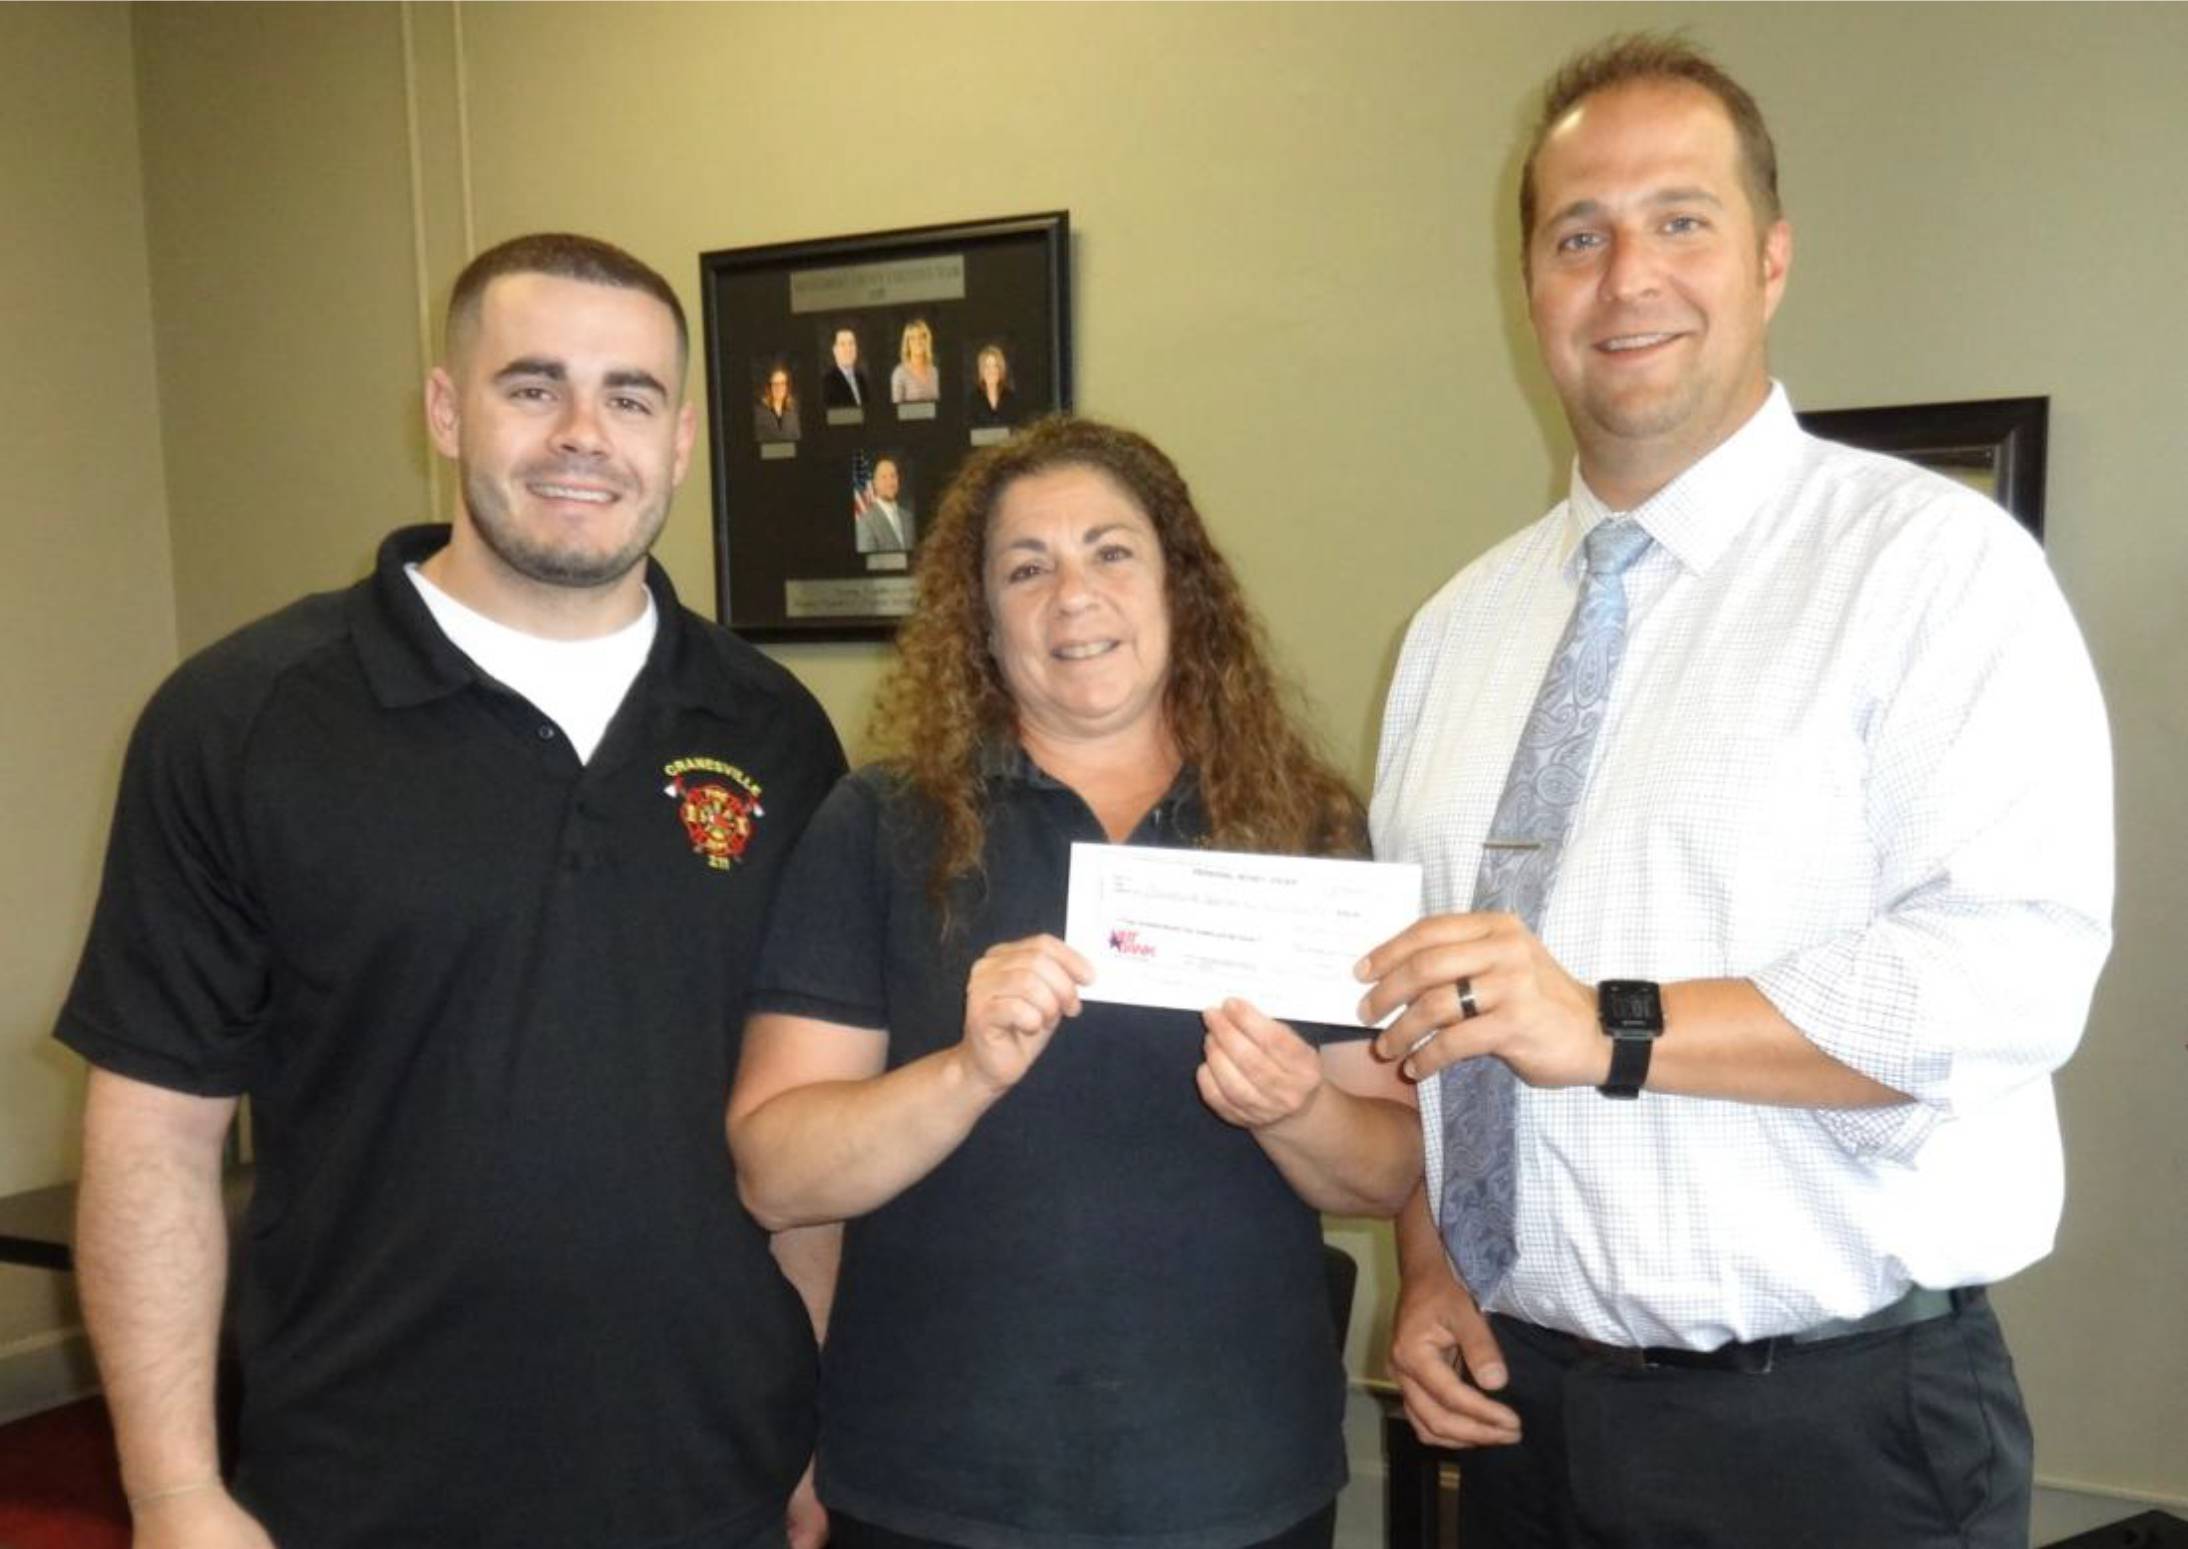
[[862, 483]]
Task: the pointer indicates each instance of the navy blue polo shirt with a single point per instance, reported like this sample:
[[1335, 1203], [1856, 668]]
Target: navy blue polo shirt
[[1103, 1321], [497, 1288]]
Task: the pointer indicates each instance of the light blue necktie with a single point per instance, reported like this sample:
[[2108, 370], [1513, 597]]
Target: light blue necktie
[[1518, 867]]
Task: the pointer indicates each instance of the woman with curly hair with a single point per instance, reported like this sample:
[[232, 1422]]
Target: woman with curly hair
[[1082, 1298]]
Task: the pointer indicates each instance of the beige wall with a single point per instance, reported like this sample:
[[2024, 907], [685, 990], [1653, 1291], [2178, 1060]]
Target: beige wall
[[1993, 207], [1294, 267], [87, 620], [277, 193]]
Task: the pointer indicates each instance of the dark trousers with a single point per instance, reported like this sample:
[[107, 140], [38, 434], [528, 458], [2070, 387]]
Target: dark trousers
[[849, 1533], [1910, 1438]]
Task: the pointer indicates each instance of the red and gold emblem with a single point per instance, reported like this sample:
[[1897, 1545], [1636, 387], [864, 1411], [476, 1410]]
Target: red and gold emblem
[[718, 815]]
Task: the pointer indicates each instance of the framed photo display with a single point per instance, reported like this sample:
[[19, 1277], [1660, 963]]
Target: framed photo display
[[847, 378], [1993, 445]]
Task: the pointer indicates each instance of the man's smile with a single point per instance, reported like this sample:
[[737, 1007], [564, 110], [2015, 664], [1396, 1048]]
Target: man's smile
[[1623, 344], [589, 494]]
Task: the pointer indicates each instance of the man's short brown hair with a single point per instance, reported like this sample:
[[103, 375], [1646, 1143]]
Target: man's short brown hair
[[565, 257], [1643, 57]]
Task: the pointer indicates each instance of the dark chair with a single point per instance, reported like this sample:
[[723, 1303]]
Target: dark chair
[[1415, 1510], [1343, 1277]]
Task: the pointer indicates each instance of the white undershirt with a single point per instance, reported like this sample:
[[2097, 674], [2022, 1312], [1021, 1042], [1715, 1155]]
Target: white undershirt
[[577, 683]]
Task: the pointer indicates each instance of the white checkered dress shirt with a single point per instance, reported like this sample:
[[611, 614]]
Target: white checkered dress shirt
[[1855, 754]]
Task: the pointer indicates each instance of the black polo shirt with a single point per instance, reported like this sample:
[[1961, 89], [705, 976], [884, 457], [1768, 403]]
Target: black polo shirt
[[497, 1288], [1101, 1321]]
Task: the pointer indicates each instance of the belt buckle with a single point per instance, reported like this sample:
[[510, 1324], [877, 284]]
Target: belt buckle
[[1753, 1358]]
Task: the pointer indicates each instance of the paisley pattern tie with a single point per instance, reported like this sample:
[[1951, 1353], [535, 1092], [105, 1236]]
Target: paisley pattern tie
[[1518, 868]]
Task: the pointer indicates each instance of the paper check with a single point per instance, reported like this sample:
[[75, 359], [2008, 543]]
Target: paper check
[[1189, 928]]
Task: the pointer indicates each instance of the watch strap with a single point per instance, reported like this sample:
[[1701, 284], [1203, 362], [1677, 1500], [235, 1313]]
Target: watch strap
[[1631, 1012], [1629, 1064]]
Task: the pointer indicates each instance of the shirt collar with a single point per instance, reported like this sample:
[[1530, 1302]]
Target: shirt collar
[[409, 661], [1697, 515], [1004, 761]]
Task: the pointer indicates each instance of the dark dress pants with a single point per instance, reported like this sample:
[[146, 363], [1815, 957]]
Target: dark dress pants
[[848, 1533], [1910, 1438]]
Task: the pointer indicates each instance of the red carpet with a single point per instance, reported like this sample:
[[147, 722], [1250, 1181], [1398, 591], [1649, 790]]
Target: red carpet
[[59, 1485]]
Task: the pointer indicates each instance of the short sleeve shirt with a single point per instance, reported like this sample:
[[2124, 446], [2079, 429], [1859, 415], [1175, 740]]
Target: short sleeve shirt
[[496, 1286], [1102, 1320]]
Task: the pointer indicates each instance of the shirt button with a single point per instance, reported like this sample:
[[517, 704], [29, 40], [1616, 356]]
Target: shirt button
[[546, 733]]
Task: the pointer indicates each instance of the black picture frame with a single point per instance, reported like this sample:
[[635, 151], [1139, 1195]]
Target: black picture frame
[[801, 549], [1995, 445]]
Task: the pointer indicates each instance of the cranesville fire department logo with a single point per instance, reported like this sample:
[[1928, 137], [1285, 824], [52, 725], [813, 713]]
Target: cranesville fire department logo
[[719, 817]]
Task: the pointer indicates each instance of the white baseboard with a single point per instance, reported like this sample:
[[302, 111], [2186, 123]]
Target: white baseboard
[[44, 1371], [2063, 1510]]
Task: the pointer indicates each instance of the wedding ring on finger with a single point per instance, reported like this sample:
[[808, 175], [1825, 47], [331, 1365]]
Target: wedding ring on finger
[[1468, 1007]]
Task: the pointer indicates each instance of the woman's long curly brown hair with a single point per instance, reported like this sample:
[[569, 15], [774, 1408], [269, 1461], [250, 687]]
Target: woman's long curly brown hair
[[1263, 784]]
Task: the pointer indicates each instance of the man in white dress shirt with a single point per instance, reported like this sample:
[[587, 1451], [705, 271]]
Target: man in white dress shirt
[[1840, 856]]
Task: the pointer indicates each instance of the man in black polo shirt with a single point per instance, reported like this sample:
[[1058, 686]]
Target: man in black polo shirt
[[459, 874]]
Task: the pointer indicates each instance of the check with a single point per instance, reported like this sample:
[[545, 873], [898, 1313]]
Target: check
[[1187, 928]]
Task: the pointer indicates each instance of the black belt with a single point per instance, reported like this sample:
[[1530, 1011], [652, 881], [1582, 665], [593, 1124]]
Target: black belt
[[1755, 1355]]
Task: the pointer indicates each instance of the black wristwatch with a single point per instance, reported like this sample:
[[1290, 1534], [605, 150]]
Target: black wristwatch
[[1632, 1014]]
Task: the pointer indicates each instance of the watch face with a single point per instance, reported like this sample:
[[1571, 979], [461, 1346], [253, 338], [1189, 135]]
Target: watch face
[[1630, 1003]]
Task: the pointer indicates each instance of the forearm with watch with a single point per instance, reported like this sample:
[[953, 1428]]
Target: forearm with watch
[[1719, 1038]]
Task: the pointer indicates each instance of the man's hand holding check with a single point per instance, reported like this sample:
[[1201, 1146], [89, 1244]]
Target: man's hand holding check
[[1468, 985]]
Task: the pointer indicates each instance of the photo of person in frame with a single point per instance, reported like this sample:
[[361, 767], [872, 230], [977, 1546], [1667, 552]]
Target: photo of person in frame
[[845, 384], [916, 378], [994, 400], [881, 516], [775, 413]]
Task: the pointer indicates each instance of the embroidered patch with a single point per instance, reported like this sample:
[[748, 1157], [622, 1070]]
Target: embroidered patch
[[717, 817]]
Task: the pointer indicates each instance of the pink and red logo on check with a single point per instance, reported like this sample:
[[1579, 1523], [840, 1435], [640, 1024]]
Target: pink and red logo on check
[[1127, 943]]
